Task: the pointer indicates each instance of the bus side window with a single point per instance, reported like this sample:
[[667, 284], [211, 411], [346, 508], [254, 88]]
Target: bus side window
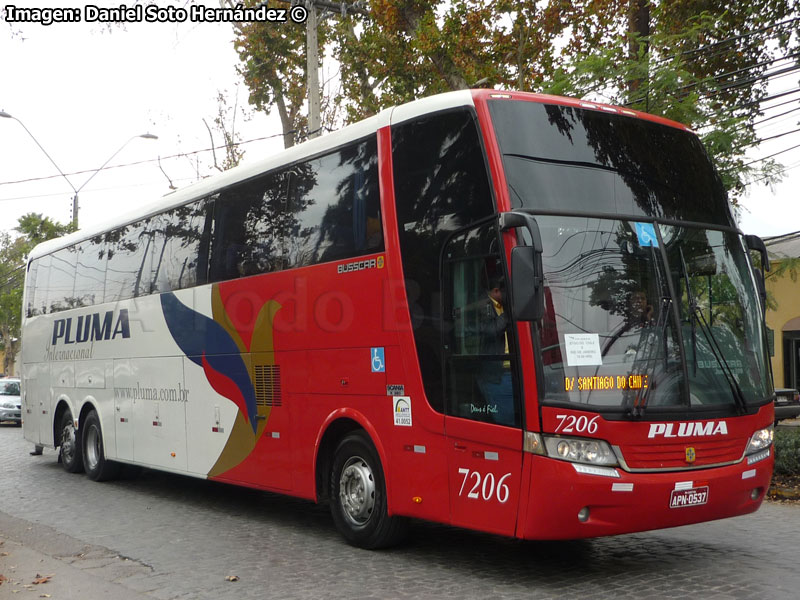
[[61, 286], [90, 272], [242, 238], [30, 282], [40, 289], [332, 210], [128, 261], [180, 242]]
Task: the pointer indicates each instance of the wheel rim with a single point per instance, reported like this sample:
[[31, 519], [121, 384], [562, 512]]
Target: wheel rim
[[357, 491], [68, 443], [92, 450]]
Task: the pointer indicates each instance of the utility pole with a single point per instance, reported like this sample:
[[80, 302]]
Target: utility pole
[[312, 52], [312, 68]]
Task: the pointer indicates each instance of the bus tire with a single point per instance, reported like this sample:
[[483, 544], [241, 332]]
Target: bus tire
[[94, 456], [358, 496], [69, 441]]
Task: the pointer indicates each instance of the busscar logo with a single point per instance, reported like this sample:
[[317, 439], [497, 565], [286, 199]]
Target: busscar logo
[[91, 328], [360, 265], [691, 429]]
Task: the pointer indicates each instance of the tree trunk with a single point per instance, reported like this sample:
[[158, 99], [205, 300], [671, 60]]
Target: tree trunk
[[638, 28]]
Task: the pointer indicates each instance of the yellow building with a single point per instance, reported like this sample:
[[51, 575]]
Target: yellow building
[[784, 322]]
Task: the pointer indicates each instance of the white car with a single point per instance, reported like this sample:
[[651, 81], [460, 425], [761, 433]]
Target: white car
[[10, 402]]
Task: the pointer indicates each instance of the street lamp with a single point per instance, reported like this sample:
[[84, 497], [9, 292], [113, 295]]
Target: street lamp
[[5, 115], [147, 136]]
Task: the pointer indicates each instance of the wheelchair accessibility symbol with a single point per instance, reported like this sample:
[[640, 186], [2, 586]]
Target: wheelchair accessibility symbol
[[378, 363], [646, 233]]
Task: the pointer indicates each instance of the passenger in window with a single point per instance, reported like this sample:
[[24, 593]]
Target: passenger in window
[[494, 379], [374, 233], [640, 312]]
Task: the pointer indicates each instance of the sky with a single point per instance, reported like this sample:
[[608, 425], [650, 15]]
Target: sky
[[84, 91]]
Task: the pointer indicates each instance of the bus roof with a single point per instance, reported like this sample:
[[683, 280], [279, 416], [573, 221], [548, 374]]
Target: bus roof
[[320, 145]]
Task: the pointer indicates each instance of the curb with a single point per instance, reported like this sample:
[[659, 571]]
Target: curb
[[778, 493]]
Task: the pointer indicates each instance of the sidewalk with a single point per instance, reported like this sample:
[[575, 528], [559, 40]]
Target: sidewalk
[[65, 568]]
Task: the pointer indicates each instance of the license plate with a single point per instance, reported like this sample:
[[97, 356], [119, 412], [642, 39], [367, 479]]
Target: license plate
[[691, 497]]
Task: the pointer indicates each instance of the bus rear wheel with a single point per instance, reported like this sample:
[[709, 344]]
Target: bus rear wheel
[[358, 496], [94, 458], [70, 445]]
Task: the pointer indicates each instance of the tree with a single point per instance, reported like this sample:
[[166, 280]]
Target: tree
[[705, 64], [11, 276], [13, 252], [225, 125], [273, 67]]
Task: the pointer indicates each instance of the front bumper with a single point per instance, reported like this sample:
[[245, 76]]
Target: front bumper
[[634, 501], [11, 414]]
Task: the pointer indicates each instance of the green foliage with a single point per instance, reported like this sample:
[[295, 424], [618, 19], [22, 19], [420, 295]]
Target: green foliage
[[701, 65], [696, 62], [274, 69], [36, 229], [787, 451]]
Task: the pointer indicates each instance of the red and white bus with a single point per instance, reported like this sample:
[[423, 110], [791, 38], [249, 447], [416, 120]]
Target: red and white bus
[[521, 314]]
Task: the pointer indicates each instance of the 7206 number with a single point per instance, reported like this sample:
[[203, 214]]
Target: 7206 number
[[484, 486], [573, 424]]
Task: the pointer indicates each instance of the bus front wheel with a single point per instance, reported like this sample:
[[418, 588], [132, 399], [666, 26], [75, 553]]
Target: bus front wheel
[[358, 496], [70, 445], [94, 457]]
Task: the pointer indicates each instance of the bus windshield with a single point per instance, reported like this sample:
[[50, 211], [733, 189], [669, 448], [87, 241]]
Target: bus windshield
[[648, 316], [650, 302], [564, 159]]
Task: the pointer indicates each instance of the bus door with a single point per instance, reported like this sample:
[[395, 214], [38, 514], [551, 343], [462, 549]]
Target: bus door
[[482, 421], [36, 403]]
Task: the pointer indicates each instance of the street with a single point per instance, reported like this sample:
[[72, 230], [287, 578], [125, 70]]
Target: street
[[168, 537]]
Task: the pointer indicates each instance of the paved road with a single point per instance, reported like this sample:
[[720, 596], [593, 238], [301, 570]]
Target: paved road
[[169, 537]]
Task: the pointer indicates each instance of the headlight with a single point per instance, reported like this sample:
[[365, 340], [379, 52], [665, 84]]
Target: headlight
[[761, 439], [580, 450]]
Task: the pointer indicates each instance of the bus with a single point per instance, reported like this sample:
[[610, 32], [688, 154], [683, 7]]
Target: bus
[[515, 313]]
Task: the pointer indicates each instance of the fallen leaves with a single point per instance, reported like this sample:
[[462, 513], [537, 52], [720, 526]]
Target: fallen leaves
[[232, 578], [41, 579]]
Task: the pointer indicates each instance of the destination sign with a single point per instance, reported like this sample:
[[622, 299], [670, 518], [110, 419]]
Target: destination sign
[[605, 383]]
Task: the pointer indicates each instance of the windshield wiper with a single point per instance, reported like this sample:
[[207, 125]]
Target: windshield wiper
[[692, 308], [696, 317], [640, 401]]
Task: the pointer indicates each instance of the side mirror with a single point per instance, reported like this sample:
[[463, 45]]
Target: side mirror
[[527, 274], [753, 242], [527, 289]]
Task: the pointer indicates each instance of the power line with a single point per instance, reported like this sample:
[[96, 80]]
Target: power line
[[763, 158], [708, 47], [767, 98], [772, 137], [143, 162], [92, 191], [733, 38], [730, 86]]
